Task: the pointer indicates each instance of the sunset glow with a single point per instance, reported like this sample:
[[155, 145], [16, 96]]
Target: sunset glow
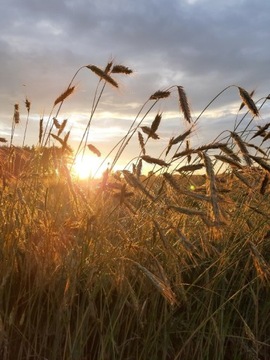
[[89, 166]]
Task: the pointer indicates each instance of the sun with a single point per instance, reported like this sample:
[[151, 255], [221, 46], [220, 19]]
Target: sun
[[89, 166]]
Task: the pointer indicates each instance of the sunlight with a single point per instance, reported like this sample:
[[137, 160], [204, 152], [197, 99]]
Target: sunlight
[[87, 166]]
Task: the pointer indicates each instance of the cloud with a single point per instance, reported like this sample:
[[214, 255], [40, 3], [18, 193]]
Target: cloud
[[203, 45]]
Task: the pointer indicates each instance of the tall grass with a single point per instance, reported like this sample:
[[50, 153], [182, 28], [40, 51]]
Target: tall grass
[[169, 265]]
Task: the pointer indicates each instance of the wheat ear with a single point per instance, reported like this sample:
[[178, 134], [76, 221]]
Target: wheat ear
[[64, 95], [103, 75], [247, 100], [184, 105]]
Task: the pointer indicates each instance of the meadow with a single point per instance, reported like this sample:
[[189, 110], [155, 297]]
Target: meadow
[[165, 265]]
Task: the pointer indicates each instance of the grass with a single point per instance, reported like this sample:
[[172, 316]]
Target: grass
[[170, 265]]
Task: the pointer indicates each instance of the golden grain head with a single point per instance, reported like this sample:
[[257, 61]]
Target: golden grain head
[[213, 145], [184, 105], [171, 180], [156, 122], [186, 152], [261, 131], [264, 184], [103, 75], [187, 149], [224, 148], [64, 95], [27, 104], [257, 148], [240, 143], [40, 130], [16, 114], [135, 182], [247, 100], [209, 166], [62, 127], [94, 150], [181, 137], [190, 168], [266, 136], [148, 131], [262, 162], [260, 264], [242, 178], [186, 211], [169, 146], [139, 169], [228, 160], [121, 69], [56, 123], [160, 95], [243, 104], [156, 161], [141, 141], [108, 67]]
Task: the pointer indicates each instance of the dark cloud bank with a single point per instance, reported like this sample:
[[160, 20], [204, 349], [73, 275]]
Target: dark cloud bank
[[203, 45]]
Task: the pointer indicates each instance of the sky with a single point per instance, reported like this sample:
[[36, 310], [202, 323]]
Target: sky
[[202, 45]]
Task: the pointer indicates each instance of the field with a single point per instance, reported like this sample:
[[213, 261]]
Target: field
[[165, 265]]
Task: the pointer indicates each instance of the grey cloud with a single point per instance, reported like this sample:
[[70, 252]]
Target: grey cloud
[[202, 45]]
